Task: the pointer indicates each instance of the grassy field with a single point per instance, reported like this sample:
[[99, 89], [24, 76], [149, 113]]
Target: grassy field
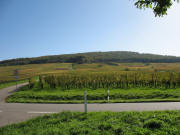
[[99, 123], [8, 84], [31, 70], [47, 95], [26, 71]]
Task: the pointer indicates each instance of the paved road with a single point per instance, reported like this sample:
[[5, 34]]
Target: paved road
[[16, 112]]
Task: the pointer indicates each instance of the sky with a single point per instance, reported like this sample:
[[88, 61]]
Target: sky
[[30, 28]]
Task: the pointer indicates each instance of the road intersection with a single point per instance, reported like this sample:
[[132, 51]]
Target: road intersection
[[17, 112]]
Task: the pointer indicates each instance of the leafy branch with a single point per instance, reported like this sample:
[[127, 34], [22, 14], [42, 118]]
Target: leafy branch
[[159, 7]]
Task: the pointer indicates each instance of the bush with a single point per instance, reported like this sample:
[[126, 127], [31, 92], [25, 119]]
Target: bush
[[31, 83], [153, 123], [118, 130], [126, 69], [104, 126], [111, 64], [41, 82]]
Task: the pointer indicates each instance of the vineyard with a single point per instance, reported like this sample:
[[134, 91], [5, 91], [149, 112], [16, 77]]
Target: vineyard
[[123, 80], [28, 71], [124, 86]]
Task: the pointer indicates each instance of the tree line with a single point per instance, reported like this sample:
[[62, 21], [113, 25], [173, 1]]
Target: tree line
[[94, 57]]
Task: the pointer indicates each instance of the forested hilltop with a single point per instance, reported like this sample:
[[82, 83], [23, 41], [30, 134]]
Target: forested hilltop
[[94, 57]]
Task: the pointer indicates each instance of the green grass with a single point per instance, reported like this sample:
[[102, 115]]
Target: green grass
[[8, 84], [99, 123], [47, 95]]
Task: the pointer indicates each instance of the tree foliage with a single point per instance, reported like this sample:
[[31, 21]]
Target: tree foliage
[[159, 7]]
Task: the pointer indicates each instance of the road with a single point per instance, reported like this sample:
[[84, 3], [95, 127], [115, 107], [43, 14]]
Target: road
[[16, 112]]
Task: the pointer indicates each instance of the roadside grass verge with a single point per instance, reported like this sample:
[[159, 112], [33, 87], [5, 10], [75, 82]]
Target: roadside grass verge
[[99, 123], [47, 95], [8, 84]]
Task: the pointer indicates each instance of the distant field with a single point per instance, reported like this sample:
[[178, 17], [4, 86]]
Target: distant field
[[31, 70], [47, 95], [99, 123], [129, 67], [26, 71]]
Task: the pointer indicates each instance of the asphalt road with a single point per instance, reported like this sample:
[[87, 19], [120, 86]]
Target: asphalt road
[[16, 112]]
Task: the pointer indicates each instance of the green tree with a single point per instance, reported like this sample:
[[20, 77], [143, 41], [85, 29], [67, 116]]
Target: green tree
[[159, 7]]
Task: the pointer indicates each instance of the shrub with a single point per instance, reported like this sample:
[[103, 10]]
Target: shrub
[[31, 83], [126, 69], [104, 126], [118, 130], [41, 82], [153, 123]]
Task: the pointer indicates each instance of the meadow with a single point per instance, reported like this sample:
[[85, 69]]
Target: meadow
[[99, 123]]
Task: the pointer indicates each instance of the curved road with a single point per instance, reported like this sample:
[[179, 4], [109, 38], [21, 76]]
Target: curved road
[[16, 112]]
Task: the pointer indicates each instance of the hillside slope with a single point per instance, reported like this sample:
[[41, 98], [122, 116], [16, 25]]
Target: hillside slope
[[94, 57]]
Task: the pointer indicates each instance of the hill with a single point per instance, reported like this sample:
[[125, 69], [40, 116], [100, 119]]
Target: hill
[[94, 57]]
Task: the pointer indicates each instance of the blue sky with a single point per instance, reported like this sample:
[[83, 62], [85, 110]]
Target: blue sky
[[30, 28]]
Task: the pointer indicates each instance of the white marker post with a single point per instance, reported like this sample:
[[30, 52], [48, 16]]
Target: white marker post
[[108, 95], [85, 102], [16, 73]]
